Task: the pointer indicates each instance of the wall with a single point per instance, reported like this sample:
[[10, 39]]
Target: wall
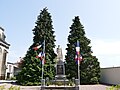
[[9, 70], [4, 46], [2, 62], [110, 75]]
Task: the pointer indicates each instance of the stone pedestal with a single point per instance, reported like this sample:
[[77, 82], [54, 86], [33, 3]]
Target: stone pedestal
[[43, 83], [60, 68], [60, 73]]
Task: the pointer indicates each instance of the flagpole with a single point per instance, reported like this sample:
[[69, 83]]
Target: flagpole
[[43, 63], [79, 71], [78, 60]]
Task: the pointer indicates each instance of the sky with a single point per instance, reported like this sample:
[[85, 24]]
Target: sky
[[100, 18]]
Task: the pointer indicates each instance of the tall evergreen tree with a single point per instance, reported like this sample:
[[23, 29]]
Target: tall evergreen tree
[[89, 66], [31, 72]]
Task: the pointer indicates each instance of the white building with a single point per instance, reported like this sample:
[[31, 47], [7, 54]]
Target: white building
[[4, 46], [12, 70]]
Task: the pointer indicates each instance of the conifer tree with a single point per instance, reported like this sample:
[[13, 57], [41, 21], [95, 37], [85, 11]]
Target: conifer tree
[[31, 73], [89, 66]]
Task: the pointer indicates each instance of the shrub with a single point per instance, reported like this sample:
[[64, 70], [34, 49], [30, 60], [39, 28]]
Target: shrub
[[11, 88], [13, 78], [59, 83], [2, 87], [117, 87]]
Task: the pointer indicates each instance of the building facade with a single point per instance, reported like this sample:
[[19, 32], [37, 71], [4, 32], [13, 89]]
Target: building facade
[[12, 70], [4, 46]]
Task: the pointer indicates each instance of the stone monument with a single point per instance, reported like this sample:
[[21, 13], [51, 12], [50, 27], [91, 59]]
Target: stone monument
[[60, 68], [59, 53]]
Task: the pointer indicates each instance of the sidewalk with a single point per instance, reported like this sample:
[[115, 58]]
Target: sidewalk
[[82, 87], [94, 87]]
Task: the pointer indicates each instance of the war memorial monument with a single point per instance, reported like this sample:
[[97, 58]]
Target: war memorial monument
[[60, 76]]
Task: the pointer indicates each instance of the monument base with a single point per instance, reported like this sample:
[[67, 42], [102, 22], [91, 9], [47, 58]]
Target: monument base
[[61, 88], [60, 77], [61, 80]]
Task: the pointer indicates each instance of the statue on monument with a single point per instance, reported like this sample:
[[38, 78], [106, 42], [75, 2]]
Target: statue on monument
[[59, 53], [60, 68]]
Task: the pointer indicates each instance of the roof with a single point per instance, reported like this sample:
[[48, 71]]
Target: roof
[[4, 44], [111, 67], [1, 28], [9, 63]]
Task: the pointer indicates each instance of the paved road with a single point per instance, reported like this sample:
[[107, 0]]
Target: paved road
[[82, 87]]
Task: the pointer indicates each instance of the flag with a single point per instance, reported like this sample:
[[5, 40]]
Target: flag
[[41, 55], [37, 47], [78, 48], [78, 57]]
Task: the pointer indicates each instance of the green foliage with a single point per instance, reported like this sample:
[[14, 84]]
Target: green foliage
[[11, 88], [116, 87], [59, 83], [14, 88], [48, 83], [31, 72], [13, 78], [71, 83], [2, 87], [89, 66]]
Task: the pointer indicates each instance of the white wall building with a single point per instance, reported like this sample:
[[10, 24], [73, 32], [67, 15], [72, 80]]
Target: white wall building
[[4, 46], [110, 75], [12, 70]]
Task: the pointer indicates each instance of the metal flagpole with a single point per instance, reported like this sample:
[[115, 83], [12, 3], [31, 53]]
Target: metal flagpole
[[79, 70], [78, 58], [43, 82]]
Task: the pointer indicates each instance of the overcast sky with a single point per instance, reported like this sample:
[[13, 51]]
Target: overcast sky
[[100, 18]]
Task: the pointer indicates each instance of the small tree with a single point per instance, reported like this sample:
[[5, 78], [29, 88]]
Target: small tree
[[89, 66], [31, 72]]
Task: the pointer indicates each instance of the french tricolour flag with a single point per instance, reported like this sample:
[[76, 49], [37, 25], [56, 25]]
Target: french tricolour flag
[[37, 47], [78, 57], [41, 56]]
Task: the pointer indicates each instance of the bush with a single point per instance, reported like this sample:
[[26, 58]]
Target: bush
[[2, 87], [11, 88], [13, 78], [14, 88], [71, 83], [117, 87], [59, 83], [48, 83], [94, 80]]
